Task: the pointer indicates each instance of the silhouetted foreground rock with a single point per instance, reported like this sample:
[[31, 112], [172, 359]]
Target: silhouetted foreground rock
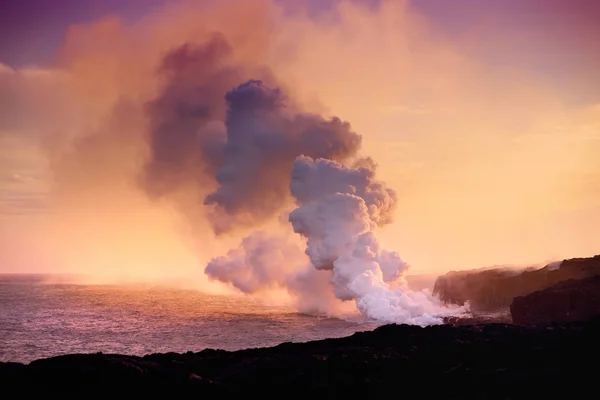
[[494, 361], [497, 287], [567, 301]]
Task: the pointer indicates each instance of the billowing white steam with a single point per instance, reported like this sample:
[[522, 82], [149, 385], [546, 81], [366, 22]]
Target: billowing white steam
[[338, 209], [261, 262], [339, 206]]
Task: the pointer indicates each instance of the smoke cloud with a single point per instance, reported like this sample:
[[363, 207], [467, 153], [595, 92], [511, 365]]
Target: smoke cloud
[[262, 261], [212, 126], [187, 132], [338, 210], [264, 136], [312, 180], [269, 262], [161, 143], [339, 207]]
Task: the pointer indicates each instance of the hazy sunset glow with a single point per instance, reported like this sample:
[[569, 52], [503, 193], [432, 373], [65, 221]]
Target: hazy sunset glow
[[483, 116]]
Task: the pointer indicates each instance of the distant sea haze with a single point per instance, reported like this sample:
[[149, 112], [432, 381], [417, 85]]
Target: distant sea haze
[[39, 320]]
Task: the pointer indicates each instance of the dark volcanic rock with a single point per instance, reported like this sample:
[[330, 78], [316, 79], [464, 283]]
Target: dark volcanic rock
[[483, 289], [567, 301], [493, 361], [496, 288]]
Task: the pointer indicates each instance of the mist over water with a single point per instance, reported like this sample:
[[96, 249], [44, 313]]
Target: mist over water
[[178, 147], [39, 319]]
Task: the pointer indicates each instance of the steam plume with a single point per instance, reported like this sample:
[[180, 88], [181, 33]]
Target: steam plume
[[261, 262], [241, 142], [339, 206], [187, 132], [269, 262], [338, 209], [116, 125], [264, 136]]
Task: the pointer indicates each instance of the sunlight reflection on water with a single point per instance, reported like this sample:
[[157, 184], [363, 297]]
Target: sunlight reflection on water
[[40, 320]]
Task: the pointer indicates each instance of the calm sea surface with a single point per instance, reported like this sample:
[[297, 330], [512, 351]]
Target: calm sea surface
[[40, 320]]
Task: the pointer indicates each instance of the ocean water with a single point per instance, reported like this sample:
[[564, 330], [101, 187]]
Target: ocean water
[[40, 319]]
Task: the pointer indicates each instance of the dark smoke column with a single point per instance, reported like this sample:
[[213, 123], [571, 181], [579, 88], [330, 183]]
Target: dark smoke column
[[264, 135]]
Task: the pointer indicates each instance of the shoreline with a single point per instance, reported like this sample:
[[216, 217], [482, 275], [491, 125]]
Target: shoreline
[[483, 360]]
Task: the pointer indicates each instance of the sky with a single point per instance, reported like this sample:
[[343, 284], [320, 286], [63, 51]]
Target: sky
[[484, 116]]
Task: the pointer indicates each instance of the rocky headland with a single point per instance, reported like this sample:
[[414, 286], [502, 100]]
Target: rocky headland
[[567, 301], [496, 288]]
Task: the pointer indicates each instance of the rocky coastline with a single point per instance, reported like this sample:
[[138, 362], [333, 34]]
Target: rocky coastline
[[547, 347], [483, 361], [493, 289]]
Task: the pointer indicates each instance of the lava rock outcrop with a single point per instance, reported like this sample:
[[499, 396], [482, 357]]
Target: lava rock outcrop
[[491, 361], [567, 301], [496, 288]]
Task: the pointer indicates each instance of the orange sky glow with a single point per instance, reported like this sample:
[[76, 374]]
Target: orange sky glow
[[493, 162]]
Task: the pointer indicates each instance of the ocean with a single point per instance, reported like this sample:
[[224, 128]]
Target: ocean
[[39, 319]]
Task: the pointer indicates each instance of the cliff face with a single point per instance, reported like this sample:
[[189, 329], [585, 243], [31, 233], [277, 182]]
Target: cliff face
[[494, 361], [496, 288], [484, 290], [567, 301]]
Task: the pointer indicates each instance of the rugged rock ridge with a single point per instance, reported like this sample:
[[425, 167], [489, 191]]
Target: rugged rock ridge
[[567, 301], [497, 287], [493, 361]]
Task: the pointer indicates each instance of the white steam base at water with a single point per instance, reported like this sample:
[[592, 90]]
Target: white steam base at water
[[40, 319], [338, 209]]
